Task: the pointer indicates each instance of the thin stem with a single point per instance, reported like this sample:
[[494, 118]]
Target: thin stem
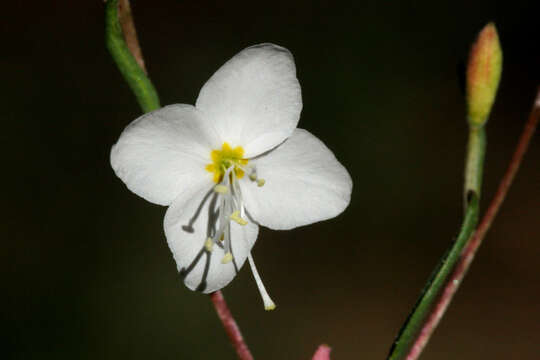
[[474, 163], [472, 246], [126, 62], [231, 328], [434, 285], [128, 57], [130, 33], [322, 353]]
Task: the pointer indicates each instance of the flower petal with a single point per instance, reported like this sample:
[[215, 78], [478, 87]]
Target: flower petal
[[163, 152], [304, 183], [254, 99], [187, 228]]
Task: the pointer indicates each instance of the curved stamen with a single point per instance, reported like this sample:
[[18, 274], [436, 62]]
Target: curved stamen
[[253, 176]]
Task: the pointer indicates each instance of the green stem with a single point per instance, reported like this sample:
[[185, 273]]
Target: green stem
[[439, 277], [148, 100], [137, 80], [474, 162]]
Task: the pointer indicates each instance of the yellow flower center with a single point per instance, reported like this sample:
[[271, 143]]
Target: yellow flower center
[[224, 159]]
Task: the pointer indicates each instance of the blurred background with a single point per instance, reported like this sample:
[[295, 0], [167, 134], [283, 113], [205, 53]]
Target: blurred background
[[86, 272]]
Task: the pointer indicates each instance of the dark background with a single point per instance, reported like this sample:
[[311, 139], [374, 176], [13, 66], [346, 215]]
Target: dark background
[[86, 272]]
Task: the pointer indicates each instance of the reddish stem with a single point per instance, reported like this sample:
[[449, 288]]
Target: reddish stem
[[130, 34], [474, 243], [322, 353], [231, 328]]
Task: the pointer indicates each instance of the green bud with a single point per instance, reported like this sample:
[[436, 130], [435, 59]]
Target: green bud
[[483, 74]]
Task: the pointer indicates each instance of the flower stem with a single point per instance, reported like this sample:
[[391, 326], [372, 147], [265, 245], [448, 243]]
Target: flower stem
[[435, 284], [121, 40], [231, 328], [474, 163], [447, 277], [322, 353], [467, 256]]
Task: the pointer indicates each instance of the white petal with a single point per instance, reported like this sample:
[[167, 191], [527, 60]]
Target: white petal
[[187, 228], [304, 183], [163, 152], [254, 99]]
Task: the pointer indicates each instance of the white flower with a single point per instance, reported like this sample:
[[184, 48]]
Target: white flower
[[230, 163]]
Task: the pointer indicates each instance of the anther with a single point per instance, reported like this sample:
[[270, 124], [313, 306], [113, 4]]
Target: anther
[[252, 177], [235, 216], [221, 189], [227, 258], [209, 244], [261, 182]]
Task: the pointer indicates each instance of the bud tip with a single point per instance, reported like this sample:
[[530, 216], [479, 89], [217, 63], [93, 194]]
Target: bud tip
[[483, 74]]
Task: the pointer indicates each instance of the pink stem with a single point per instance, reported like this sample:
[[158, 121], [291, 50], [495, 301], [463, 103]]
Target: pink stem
[[231, 328], [472, 246], [322, 353]]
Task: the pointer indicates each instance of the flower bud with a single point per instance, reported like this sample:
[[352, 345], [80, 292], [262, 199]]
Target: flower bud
[[483, 74]]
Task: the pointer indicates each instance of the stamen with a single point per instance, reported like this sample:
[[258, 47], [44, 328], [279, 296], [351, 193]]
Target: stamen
[[268, 303], [221, 189], [227, 242], [223, 209], [237, 196], [260, 182], [235, 216], [252, 177], [227, 258], [209, 244]]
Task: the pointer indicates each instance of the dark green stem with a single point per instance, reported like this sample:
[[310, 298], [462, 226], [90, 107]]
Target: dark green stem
[[439, 277], [134, 75]]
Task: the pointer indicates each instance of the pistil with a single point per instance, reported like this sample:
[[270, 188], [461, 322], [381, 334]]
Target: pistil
[[268, 303]]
